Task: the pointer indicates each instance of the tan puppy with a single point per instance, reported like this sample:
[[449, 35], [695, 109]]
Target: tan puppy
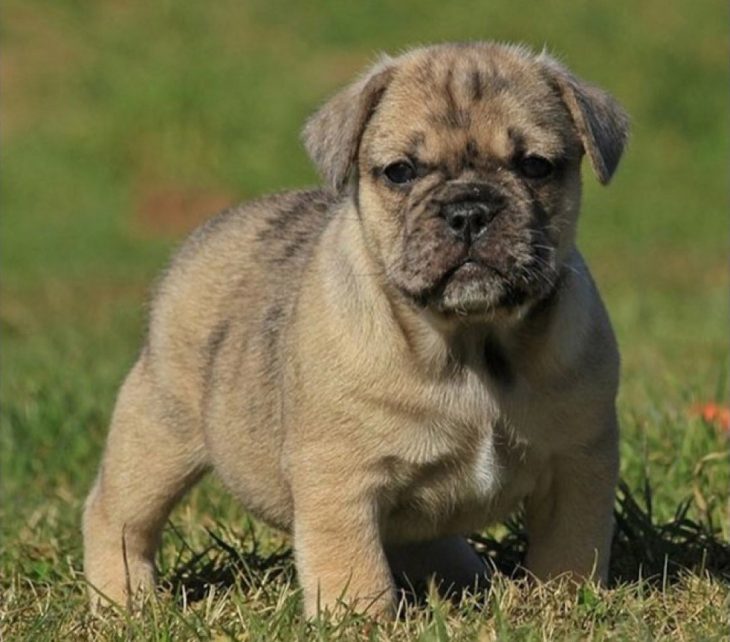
[[385, 365]]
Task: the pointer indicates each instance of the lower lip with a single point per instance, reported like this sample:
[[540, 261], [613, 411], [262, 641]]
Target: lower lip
[[469, 268]]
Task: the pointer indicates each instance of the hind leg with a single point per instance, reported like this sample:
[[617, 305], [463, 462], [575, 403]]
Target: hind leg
[[450, 562], [154, 453]]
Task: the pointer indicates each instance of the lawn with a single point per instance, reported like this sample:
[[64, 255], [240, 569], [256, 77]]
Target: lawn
[[126, 124]]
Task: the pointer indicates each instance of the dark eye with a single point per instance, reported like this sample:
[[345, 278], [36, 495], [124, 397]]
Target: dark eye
[[536, 167], [400, 172]]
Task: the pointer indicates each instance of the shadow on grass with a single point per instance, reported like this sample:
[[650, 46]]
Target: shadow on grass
[[642, 549], [224, 564]]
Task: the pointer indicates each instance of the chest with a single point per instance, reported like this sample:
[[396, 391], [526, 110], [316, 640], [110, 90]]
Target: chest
[[480, 440], [470, 465]]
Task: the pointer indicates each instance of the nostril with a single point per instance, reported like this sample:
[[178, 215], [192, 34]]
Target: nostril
[[457, 222]]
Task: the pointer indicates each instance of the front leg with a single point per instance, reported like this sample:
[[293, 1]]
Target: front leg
[[337, 546], [570, 521]]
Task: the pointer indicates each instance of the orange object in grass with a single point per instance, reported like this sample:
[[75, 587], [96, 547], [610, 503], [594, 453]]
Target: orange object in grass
[[715, 414]]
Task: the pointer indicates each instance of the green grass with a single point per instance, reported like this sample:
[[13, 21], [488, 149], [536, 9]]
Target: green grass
[[122, 122]]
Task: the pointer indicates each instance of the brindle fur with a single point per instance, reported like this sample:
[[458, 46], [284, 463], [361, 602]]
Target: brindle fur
[[352, 380]]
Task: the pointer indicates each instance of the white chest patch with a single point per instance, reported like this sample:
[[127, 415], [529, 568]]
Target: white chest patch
[[484, 474]]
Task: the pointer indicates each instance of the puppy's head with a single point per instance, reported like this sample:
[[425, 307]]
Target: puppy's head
[[465, 164]]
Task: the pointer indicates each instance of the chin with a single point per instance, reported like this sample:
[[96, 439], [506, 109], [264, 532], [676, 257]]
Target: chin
[[480, 300]]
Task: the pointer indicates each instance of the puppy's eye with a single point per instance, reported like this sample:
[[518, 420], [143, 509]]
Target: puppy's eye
[[400, 172], [536, 167]]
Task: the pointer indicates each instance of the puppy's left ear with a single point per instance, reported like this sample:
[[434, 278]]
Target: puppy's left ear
[[332, 136], [601, 123]]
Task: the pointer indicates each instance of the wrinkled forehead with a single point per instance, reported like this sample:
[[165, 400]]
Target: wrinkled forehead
[[499, 102]]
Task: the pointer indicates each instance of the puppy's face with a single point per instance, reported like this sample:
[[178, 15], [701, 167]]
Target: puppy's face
[[468, 173], [469, 181]]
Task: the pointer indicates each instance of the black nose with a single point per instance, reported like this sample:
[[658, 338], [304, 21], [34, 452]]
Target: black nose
[[468, 219]]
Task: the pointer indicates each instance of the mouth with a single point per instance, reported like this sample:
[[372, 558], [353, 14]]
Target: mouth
[[471, 287], [468, 270]]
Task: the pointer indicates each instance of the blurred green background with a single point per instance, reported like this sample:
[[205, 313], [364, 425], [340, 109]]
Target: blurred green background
[[126, 123]]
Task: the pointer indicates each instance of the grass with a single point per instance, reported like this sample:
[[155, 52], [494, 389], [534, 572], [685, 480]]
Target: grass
[[124, 123]]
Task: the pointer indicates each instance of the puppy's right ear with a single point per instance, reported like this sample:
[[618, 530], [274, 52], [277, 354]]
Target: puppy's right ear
[[332, 136]]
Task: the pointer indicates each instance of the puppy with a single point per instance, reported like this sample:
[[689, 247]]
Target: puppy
[[382, 366]]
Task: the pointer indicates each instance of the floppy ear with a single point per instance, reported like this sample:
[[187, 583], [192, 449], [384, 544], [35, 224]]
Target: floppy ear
[[601, 123], [332, 136]]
